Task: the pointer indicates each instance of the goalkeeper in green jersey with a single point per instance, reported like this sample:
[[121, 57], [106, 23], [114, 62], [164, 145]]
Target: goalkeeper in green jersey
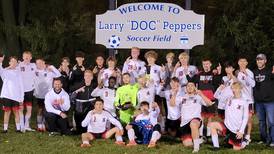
[[126, 99]]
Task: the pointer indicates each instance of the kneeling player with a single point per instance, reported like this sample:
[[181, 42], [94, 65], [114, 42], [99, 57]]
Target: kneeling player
[[145, 126], [236, 117], [191, 107], [96, 121]]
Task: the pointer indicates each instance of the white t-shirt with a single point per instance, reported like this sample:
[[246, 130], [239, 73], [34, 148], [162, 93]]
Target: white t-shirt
[[135, 68], [28, 75], [181, 74]]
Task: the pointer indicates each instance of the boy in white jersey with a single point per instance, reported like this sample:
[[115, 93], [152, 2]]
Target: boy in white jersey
[[12, 93], [96, 121], [183, 71], [145, 127], [107, 94], [173, 100], [27, 70], [191, 121], [236, 117], [134, 66], [44, 76], [146, 91], [246, 77]]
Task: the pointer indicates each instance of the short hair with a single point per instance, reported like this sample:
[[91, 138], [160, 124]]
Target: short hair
[[98, 99], [170, 54], [40, 58], [13, 57], [206, 59], [135, 48], [183, 54], [27, 52], [242, 57], [80, 54], [66, 58], [112, 78], [88, 71], [111, 58], [144, 103], [124, 74], [57, 79], [237, 85], [228, 64], [151, 53], [175, 79]]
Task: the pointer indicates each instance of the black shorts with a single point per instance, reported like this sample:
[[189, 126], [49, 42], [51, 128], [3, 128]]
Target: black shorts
[[230, 137], [173, 125], [185, 131], [40, 102], [209, 111], [28, 98], [221, 113], [99, 135], [9, 105]]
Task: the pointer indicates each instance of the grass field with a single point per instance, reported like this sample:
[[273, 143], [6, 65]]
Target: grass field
[[34, 142]]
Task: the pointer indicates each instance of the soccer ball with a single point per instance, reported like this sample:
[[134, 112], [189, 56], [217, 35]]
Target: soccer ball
[[114, 41]]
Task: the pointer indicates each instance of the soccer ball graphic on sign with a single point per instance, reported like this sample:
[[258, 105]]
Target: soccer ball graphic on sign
[[114, 41]]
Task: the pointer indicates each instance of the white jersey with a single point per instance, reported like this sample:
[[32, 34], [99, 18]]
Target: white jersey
[[135, 68], [43, 81], [51, 102], [181, 73], [173, 112], [191, 108], [28, 75], [236, 114], [146, 94], [155, 74], [106, 74], [13, 87], [97, 122], [222, 96], [152, 116], [248, 82], [108, 95]]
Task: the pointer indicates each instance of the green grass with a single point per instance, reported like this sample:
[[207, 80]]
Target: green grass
[[35, 142]]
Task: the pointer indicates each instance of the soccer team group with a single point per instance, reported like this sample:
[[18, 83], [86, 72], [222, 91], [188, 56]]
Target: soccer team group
[[143, 100]]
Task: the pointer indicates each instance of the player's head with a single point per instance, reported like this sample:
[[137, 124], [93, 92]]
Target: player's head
[[100, 60], [79, 57], [151, 56], [135, 52], [40, 63], [126, 78], [111, 82], [142, 81], [27, 56], [261, 60], [242, 62], [57, 84], [88, 76], [236, 88], [13, 61], [99, 104], [65, 61], [229, 67], [111, 62], [170, 57], [174, 83], [144, 106], [190, 88], [184, 58], [206, 64]]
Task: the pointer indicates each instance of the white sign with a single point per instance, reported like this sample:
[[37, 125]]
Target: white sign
[[150, 26]]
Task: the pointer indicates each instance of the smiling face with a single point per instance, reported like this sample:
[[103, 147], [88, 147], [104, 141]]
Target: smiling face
[[65, 63], [174, 85], [144, 108], [242, 63], [88, 76], [190, 88], [184, 60], [99, 106], [40, 64], [57, 85], [260, 63], [111, 64], [229, 70], [100, 61], [111, 82], [126, 79], [135, 53], [206, 65], [27, 57], [13, 63]]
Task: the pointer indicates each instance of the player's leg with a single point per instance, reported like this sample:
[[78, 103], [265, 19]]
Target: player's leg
[[86, 137], [215, 127], [156, 135], [6, 118], [118, 135], [194, 126], [131, 135], [17, 118]]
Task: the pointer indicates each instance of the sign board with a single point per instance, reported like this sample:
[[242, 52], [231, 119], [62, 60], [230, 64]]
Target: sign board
[[150, 26]]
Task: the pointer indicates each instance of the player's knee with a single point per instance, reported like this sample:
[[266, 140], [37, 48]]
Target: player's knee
[[187, 142]]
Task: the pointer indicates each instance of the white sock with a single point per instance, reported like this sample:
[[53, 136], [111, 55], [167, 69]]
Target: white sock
[[155, 136], [22, 123], [215, 141], [17, 126], [247, 137], [119, 138], [85, 142], [208, 131], [201, 130], [27, 117], [6, 126], [131, 134], [196, 143]]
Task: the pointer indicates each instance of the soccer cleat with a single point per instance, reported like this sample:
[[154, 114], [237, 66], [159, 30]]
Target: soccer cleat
[[271, 145], [54, 133], [195, 151], [85, 145], [151, 145], [120, 143], [131, 143], [29, 129], [4, 131], [214, 148]]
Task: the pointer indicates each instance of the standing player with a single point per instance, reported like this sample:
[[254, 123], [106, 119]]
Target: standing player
[[12, 92], [77, 73], [44, 76], [65, 73], [99, 66], [146, 91], [28, 73], [191, 106], [236, 117], [96, 122], [134, 66]]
